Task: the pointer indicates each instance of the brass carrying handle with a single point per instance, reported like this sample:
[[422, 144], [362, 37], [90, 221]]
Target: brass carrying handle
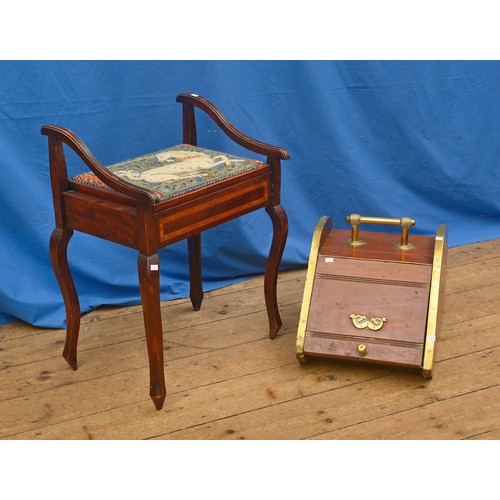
[[404, 222]]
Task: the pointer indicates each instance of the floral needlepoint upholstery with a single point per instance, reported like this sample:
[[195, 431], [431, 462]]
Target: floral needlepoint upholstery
[[174, 171]]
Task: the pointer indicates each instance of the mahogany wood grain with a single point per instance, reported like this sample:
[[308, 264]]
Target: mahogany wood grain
[[228, 128], [379, 246], [58, 255], [339, 348], [149, 283], [195, 271], [60, 135], [405, 308], [198, 214], [376, 280], [280, 231], [368, 269], [95, 216], [131, 216]]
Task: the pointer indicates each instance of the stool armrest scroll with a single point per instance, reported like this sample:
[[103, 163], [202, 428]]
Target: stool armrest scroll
[[80, 148], [230, 130]]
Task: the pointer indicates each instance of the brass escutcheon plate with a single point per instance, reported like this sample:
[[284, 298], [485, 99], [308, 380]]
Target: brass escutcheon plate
[[360, 321]]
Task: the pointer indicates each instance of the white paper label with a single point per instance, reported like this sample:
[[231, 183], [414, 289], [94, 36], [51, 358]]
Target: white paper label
[[154, 267], [329, 259]]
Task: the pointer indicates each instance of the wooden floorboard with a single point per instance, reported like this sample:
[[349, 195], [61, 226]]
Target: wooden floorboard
[[227, 380]]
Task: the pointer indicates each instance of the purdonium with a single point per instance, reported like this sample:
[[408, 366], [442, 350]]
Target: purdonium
[[375, 297]]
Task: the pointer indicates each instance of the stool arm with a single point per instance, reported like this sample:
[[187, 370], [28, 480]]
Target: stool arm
[[230, 130], [62, 134]]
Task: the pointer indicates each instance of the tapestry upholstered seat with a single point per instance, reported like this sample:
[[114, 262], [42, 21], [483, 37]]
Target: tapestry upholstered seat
[[158, 199], [172, 172]]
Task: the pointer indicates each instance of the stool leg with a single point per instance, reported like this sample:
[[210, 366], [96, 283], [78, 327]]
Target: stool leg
[[280, 232], [149, 283], [195, 278], [58, 255]]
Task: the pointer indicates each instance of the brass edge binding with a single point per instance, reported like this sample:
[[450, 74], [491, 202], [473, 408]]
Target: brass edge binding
[[435, 299], [324, 224]]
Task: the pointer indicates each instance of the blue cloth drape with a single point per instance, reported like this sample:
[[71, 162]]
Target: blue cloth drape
[[381, 138]]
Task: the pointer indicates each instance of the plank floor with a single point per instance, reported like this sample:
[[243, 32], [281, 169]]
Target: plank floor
[[227, 380]]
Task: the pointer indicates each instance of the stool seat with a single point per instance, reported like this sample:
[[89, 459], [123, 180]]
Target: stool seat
[[171, 172], [158, 199]]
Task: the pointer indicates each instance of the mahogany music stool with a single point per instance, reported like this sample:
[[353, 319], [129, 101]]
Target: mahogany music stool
[[153, 201]]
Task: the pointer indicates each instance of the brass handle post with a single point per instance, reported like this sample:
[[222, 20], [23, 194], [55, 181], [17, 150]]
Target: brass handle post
[[404, 222]]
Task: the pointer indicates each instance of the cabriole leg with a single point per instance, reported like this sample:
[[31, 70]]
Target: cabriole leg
[[280, 233], [58, 255]]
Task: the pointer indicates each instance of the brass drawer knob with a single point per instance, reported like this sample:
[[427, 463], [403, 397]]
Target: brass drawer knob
[[362, 349]]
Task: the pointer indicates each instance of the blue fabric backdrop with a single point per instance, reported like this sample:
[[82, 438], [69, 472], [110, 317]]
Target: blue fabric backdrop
[[382, 138]]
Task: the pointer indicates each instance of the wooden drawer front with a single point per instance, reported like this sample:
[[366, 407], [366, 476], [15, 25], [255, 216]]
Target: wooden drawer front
[[387, 272], [340, 347], [404, 307], [200, 214]]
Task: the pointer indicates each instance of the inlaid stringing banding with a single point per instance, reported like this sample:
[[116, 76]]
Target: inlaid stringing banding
[[368, 340], [375, 281]]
